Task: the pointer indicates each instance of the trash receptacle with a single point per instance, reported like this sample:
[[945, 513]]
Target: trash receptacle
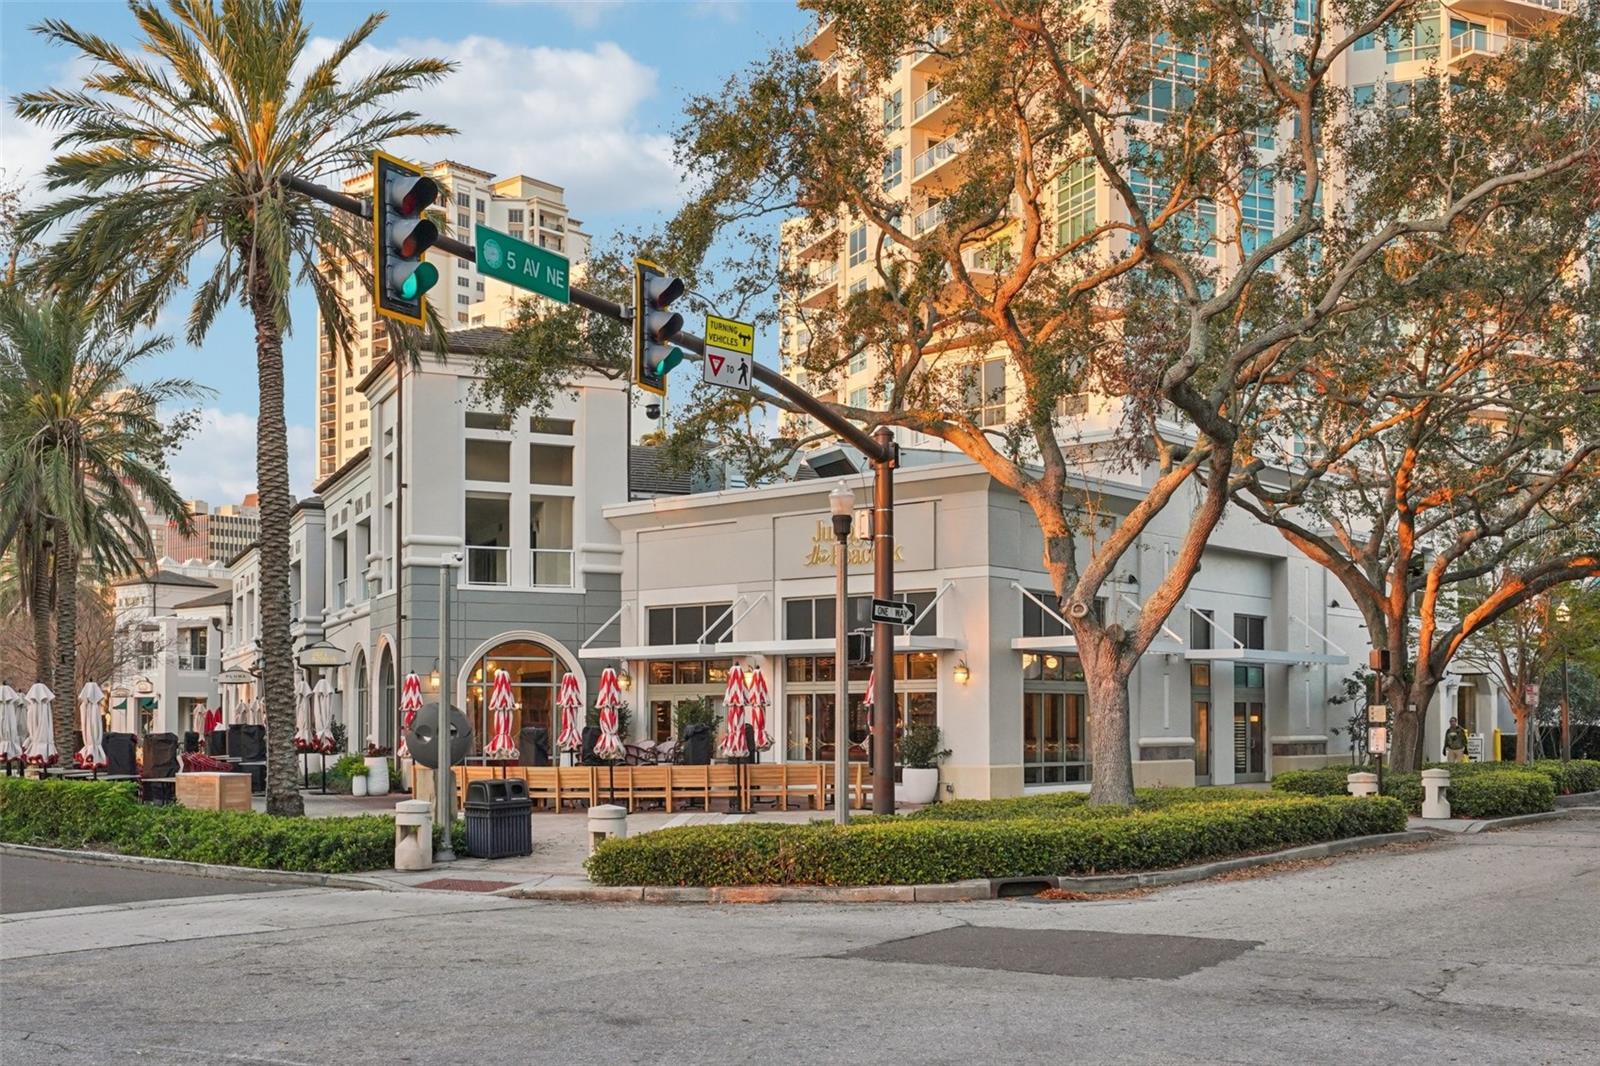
[[695, 748], [499, 819]]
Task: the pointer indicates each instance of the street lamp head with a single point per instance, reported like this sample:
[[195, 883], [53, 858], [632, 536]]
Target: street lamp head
[[841, 501]]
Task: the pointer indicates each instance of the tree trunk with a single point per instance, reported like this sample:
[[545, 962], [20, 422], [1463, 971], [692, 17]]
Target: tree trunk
[[66, 674], [1524, 735], [272, 484], [39, 613], [1109, 713]]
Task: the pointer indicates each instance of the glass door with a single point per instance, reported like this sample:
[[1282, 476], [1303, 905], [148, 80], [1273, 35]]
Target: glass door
[[1249, 724]]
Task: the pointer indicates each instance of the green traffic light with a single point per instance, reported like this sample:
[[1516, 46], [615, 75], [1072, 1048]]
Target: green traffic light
[[670, 360], [425, 277]]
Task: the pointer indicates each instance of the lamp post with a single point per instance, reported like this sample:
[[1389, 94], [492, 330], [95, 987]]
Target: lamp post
[[443, 782], [1564, 617], [841, 505]]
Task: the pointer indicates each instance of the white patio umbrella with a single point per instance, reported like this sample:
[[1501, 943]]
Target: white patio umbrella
[[197, 719], [13, 731], [302, 714], [92, 756], [322, 715], [40, 747]]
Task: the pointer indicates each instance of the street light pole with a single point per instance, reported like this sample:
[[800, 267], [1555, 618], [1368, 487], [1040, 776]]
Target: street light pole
[[443, 783], [841, 504], [1564, 616], [884, 711]]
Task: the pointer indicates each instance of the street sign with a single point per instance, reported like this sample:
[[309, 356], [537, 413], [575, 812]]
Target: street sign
[[1378, 740], [1377, 714], [894, 612], [730, 346], [527, 266]]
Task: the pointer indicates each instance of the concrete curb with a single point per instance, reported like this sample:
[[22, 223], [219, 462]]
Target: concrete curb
[[576, 891], [1579, 799], [1487, 825], [200, 869]]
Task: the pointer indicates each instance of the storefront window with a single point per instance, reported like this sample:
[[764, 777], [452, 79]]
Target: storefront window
[[535, 673], [1055, 747], [674, 682], [810, 702]]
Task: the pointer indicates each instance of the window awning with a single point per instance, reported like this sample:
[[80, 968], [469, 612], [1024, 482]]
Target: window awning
[[1267, 656], [768, 648], [1068, 645]]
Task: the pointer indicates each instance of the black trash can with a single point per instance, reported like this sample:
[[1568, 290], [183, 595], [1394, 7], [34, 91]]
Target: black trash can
[[499, 819], [695, 747]]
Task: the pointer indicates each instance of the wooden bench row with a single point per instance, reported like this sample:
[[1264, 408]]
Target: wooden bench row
[[805, 785]]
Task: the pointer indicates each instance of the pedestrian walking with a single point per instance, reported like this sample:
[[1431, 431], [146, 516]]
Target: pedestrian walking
[[1455, 743]]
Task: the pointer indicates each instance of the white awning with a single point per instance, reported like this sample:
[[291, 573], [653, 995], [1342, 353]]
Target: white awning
[[1068, 645], [1267, 656], [740, 649]]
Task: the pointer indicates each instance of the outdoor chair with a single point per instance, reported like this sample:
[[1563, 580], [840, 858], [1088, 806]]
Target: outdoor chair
[[158, 779]]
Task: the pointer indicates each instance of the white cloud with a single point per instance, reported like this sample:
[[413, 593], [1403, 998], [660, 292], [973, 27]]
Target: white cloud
[[25, 150], [564, 115], [218, 462]]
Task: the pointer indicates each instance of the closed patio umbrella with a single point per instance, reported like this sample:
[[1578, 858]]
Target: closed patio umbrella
[[609, 744], [410, 704], [570, 700], [757, 699], [13, 730], [501, 705], [302, 714], [197, 719], [92, 756], [322, 716], [734, 699], [40, 746]]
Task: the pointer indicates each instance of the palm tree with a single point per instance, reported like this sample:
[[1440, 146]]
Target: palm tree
[[77, 441], [182, 148]]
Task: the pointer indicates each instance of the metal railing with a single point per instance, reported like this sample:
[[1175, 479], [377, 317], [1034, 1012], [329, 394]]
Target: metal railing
[[923, 221], [926, 103], [823, 278], [939, 153], [1482, 42], [488, 565], [550, 567]]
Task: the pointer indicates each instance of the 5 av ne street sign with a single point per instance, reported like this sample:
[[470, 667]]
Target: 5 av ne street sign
[[524, 265]]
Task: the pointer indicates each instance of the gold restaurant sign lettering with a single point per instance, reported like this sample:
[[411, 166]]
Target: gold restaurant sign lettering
[[858, 550]]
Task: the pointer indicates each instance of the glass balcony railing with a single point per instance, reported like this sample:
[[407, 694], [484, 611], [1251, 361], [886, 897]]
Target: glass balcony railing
[[1482, 42], [551, 567], [933, 157], [822, 279], [924, 221], [926, 103], [488, 565]]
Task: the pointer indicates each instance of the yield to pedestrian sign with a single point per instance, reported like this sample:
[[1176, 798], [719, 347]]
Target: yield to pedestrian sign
[[730, 346]]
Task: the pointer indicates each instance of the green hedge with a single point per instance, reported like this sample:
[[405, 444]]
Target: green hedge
[[1477, 790], [107, 816], [1579, 775], [1075, 804], [926, 850]]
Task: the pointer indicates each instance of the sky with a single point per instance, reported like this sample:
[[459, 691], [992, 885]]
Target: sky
[[582, 93]]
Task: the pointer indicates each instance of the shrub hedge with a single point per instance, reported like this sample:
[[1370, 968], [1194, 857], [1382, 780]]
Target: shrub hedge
[[1477, 790], [1076, 804], [108, 816], [925, 850]]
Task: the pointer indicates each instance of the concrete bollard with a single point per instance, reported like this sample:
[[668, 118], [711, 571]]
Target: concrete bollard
[[413, 835], [1362, 784], [606, 821], [1434, 803]]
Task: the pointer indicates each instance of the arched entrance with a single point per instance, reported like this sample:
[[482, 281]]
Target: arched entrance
[[364, 733], [388, 705], [536, 667]]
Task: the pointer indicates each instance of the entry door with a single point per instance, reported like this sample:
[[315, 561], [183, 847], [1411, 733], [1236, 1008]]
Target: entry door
[[1249, 728]]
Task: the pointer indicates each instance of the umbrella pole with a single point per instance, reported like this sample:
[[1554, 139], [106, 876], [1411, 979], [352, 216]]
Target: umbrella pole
[[611, 781], [324, 773]]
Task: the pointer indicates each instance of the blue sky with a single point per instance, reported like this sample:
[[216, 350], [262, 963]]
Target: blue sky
[[582, 93]]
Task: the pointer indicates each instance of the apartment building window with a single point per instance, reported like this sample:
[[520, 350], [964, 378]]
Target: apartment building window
[[480, 288], [365, 315], [480, 207], [893, 167], [1362, 96], [858, 360], [463, 281], [550, 540], [894, 110], [514, 215], [1075, 201], [463, 220], [488, 460], [1257, 211], [487, 529], [461, 316], [811, 617], [986, 391], [549, 464], [1196, 227], [488, 420], [1250, 630], [858, 397], [463, 199], [1417, 40], [1174, 75], [858, 286], [552, 243], [557, 427], [1365, 42], [1302, 17], [1036, 621], [858, 245], [684, 624], [515, 231]]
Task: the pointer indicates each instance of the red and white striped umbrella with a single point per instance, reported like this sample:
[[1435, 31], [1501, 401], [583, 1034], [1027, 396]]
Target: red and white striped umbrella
[[734, 699], [91, 756], [609, 744], [503, 704], [410, 704], [872, 686], [570, 700], [757, 699], [40, 747]]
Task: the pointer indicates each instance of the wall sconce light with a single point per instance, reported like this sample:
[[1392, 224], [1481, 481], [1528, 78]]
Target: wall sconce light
[[1130, 578], [961, 674], [1333, 604], [433, 678], [625, 681]]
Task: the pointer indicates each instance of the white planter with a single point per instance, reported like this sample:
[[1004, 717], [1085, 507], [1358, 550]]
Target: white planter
[[358, 785], [377, 775], [918, 785]]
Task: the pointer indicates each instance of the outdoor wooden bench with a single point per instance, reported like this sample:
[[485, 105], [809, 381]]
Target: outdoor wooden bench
[[649, 783], [544, 785], [575, 784]]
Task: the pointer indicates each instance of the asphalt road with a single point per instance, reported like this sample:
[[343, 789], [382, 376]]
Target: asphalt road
[[30, 884], [1482, 949]]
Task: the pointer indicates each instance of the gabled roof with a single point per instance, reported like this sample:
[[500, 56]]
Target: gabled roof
[[220, 598], [349, 464], [648, 473], [166, 577]]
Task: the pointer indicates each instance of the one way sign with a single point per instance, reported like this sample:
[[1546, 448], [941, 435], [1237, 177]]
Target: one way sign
[[894, 612]]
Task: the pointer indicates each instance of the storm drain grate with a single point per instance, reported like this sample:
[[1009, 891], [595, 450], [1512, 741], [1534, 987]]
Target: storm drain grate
[[1060, 952], [465, 884]]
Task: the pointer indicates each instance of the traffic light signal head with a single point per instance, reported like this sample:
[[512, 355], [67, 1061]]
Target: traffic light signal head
[[400, 276], [654, 326]]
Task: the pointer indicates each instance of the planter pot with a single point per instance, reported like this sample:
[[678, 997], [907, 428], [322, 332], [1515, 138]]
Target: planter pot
[[918, 785], [358, 785], [377, 775]]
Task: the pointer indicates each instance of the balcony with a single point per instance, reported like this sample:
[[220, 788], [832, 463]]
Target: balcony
[[821, 286], [829, 76], [192, 664], [811, 245], [931, 111], [1476, 47], [1540, 13], [927, 56], [551, 567], [825, 41], [488, 565], [926, 221], [929, 167]]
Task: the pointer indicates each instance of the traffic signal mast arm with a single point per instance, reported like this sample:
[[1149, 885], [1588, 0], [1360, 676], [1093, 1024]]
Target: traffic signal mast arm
[[876, 451]]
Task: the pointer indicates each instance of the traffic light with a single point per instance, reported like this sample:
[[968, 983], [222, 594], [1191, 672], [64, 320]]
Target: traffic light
[[400, 236], [654, 326], [858, 647]]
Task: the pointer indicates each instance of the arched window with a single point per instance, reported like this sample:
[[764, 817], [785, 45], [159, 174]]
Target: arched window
[[536, 673], [388, 707], [364, 733]]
